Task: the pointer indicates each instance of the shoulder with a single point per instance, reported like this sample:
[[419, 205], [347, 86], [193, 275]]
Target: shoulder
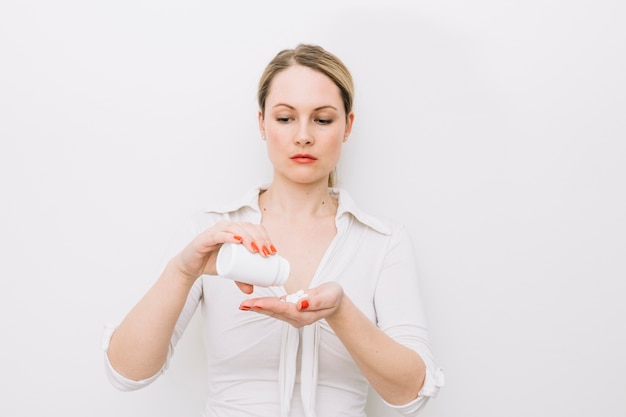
[[245, 206], [386, 226], [250, 198]]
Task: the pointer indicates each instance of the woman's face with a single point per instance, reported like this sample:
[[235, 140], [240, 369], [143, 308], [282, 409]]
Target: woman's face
[[305, 125]]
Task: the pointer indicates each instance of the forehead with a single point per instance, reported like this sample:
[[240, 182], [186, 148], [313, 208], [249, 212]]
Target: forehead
[[302, 86]]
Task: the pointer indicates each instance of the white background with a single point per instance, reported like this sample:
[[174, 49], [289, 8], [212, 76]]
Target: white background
[[495, 130]]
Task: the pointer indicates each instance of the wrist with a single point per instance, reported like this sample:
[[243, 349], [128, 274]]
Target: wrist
[[342, 304], [176, 266]]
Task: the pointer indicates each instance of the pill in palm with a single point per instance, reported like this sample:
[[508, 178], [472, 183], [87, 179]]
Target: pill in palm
[[295, 297]]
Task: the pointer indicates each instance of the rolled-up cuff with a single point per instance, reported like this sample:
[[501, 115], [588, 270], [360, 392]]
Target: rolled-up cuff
[[432, 383]]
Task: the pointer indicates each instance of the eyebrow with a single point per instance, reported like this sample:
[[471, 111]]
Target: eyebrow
[[316, 109]]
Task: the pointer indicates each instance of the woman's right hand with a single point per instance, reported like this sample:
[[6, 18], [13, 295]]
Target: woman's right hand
[[199, 256]]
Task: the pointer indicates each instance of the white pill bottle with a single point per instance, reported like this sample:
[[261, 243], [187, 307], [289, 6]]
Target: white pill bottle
[[236, 262]]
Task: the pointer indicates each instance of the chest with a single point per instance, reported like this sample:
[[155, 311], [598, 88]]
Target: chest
[[303, 244]]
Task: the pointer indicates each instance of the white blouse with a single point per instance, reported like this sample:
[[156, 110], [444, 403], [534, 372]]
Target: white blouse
[[260, 366]]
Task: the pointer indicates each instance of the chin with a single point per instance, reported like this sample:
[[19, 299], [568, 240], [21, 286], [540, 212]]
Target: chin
[[308, 180]]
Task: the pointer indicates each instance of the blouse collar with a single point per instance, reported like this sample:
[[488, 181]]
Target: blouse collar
[[346, 207]]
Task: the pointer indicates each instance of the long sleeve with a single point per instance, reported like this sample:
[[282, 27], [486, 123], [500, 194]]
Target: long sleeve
[[125, 384], [182, 236], [400, 314]]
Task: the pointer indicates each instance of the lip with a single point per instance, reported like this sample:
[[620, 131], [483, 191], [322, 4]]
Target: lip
[[303, 158]]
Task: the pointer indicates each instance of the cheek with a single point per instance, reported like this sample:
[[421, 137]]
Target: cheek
[[333, 149], [276, 132], [273, 147]]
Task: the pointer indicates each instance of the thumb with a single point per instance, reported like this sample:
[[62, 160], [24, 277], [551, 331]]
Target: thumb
[[245, 288]]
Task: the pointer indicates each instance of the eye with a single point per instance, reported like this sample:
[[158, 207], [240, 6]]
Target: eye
[[324, 121], [283, 119]]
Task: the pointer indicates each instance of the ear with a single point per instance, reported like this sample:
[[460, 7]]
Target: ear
[[261, 124], [349, 122]]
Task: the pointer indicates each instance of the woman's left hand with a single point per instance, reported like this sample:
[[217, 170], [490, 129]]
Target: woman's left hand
[[317, 303]]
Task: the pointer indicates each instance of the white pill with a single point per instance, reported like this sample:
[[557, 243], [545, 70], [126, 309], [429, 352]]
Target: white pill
[[295, 297]]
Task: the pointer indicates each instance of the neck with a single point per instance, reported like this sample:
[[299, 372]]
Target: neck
[[308, 200]]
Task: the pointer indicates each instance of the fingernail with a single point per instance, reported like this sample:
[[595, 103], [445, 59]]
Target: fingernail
[[255, 248], [239, 238], [266, 251], [244, 308], [304, 304], [258, 307], [273, 249]]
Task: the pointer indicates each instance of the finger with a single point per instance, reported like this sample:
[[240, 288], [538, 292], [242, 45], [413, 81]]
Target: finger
[[232, 232], [303, 304], [211, 238], [280, 310], [245, 288], [258, 240], [273, 304], [236, 230], [323, 298]]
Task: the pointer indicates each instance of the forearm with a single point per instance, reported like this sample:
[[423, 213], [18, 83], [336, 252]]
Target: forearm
[[396, 372], [139, 346]]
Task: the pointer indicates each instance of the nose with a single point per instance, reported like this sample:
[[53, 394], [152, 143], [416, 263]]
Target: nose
[[304, 135]]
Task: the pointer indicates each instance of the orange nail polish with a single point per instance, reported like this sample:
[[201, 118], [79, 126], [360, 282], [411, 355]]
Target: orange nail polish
[[273, 249], [244, 308], [266, 251], [255, 248], [304, 304], [239, 238]]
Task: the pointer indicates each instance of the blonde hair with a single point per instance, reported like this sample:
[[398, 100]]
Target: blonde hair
[[318, 59]]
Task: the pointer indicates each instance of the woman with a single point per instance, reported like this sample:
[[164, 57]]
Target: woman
[[361, 321]]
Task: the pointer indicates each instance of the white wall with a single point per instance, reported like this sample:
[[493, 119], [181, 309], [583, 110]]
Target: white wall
[[495, 130]]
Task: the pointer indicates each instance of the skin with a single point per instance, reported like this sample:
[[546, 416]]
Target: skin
[[304, 115]]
